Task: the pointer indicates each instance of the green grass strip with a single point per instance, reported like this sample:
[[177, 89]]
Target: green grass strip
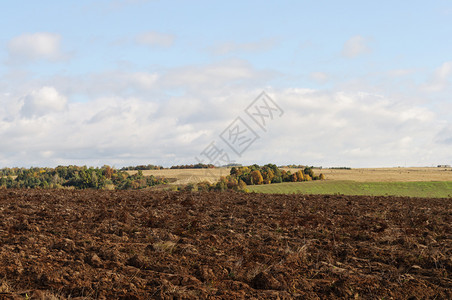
[[429, 189]]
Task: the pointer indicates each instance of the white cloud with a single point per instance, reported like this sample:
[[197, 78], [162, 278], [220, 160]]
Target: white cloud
[[440, 79], [35, 46], [153, 38], [320, 128], [231, 47], [43, 101], [355, 46], [170, 116], [110, 83]]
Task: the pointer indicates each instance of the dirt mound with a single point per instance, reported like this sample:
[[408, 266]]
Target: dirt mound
[[58, 244]]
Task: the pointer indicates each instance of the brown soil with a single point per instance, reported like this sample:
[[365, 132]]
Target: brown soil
[[146, 244]]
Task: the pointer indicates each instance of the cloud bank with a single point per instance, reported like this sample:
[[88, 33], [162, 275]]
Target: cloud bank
[[139, 123]]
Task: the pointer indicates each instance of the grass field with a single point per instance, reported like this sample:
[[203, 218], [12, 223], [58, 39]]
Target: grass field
[[431, 189]]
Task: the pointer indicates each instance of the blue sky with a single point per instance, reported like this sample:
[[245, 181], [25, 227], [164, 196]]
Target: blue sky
[[135, 81]]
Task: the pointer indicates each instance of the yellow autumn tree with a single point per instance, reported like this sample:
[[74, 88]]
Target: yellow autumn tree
[[256, 177], [300, 176]]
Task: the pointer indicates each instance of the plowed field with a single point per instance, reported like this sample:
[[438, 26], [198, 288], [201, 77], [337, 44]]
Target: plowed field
[[147, 244]]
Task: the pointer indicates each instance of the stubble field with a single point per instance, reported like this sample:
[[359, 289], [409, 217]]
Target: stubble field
[[184, 176], [388, 174], [157, 244]]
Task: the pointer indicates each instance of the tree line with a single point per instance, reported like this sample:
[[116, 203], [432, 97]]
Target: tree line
[[142, 168], [195, 166], [76, 177]]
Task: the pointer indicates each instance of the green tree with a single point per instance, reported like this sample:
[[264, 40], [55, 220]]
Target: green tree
[[233, 171], [309, 171]]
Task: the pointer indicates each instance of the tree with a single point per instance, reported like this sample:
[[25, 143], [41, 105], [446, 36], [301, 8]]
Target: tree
[[232, 183], [233, 171], [268, 174], [256, 177], [108, 172], [286, 176], [255, 167], [94, 180], [300, 176], [56, 179], [309, 171]]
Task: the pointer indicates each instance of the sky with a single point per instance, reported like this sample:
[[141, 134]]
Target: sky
[[128, 82]]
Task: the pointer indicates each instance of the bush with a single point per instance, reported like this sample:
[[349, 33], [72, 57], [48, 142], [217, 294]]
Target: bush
[[204, 186]]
